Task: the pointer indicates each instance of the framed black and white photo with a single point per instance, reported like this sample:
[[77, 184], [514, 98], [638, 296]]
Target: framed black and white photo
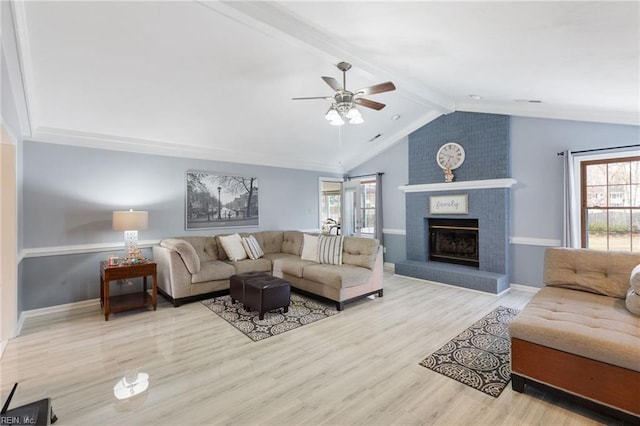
[[216, 200]]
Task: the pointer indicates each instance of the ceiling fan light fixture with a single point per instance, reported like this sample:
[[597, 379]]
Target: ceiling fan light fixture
[[332, 114], [356, 120], [337, 122], [353, 113], [342, 105]]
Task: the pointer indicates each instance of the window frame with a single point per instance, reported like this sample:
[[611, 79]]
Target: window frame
[[584, 209]]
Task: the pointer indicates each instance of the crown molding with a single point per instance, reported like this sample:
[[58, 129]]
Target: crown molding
[[15, 46], [552, 112]]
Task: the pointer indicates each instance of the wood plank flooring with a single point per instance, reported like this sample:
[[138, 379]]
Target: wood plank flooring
[[358, 367]]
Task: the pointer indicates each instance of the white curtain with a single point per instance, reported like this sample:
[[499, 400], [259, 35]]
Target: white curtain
[[378, 233], [571, 225]]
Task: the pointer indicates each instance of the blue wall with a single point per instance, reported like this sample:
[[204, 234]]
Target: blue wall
[[70, 193], [536, 200]]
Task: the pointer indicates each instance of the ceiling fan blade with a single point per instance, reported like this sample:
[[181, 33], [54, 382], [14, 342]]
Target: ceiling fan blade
[[312, 97], [333, 83], [369, 103], [378, 88]]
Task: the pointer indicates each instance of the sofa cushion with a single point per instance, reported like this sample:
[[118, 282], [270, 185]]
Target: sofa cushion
[[291, 265], [292, 242], [595, 271], [213, 270], [590, 325], [275, 256], [186, 252], [206, 247], [270, 241], [232, 245], [252, 247], [249, 265], [337, 276], [309, 247], [360, 251], [330, 249]]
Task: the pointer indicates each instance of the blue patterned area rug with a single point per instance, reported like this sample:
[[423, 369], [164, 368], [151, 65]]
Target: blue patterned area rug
[[302, 311], [480, 356]]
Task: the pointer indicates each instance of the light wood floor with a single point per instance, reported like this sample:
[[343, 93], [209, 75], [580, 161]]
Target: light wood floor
[[358, 367]]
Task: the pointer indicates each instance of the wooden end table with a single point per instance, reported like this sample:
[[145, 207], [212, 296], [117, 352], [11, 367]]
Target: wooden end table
[[124, 302]]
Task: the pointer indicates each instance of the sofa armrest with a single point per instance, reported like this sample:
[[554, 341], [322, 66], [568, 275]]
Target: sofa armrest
[[186, 252], [173, 276]]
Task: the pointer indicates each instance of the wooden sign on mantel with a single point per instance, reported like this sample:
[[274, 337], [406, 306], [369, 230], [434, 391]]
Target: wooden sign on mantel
[[449, 204]]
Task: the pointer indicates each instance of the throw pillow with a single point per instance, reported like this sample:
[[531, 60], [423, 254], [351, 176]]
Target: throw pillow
[[330, 250], [252, 247], [633, 301], [309, 248], [232, 245], [634, 280]]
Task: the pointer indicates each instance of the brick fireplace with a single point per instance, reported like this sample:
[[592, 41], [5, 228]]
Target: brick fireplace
[[483, 179]]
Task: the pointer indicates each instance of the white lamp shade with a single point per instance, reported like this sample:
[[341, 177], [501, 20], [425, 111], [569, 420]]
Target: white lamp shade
[[130, 220]]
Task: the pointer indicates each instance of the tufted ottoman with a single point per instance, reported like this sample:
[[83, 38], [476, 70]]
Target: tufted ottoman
[[237, 283], [264, 294]]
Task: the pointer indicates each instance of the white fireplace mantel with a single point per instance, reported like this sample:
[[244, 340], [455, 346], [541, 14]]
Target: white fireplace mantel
[[454, 186]]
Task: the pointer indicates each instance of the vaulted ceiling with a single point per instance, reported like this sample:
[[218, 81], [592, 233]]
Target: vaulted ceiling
[[214, 80]]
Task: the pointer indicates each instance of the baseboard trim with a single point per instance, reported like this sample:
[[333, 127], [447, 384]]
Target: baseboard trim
[[67, 307], [527, 288]]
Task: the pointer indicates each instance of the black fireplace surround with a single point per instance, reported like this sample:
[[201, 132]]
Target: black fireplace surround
[[454, 241]]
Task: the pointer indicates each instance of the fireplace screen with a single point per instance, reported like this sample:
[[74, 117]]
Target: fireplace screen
[[454, 241]]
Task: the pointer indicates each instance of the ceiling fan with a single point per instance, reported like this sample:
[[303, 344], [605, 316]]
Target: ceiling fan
[[342, 105]]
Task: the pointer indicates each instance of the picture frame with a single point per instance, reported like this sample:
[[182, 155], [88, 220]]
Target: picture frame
[[216, 200], [449, 204]]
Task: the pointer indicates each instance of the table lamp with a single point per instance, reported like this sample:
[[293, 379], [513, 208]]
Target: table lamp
[[130, 222]]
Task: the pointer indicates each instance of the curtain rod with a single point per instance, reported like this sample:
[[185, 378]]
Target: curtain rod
[[600, 149], [372, 174]]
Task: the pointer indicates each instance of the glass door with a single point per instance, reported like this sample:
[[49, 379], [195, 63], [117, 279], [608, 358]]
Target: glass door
[[360, 208], [330, 205], [352, 215]]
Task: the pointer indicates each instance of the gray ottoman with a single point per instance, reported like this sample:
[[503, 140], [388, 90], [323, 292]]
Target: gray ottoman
[[264, 294], [237, 282]]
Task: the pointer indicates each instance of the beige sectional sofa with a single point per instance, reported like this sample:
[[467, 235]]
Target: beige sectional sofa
[[577, 335], [193, 268]]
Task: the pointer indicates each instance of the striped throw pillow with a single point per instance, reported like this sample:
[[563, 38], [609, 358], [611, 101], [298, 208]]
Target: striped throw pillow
[[330, 250], [252, 247]]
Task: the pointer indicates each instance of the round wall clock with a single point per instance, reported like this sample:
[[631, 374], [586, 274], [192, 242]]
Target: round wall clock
[[450, 155]]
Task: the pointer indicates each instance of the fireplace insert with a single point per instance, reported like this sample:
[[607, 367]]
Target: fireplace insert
[[454, 241]]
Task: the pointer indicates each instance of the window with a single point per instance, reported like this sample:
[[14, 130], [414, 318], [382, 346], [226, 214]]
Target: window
[[610, 206], [368, 205]]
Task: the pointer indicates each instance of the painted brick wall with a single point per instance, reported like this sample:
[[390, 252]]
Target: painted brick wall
[[484, 137]]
